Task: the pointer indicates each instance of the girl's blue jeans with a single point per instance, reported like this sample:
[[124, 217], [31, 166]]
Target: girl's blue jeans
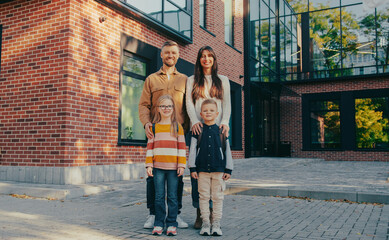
[[164, 178]]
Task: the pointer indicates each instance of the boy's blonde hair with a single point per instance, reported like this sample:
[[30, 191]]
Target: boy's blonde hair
[[208, 101], [157, 115]]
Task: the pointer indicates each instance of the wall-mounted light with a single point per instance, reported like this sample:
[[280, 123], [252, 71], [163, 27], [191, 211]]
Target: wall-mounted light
[[102, 19]]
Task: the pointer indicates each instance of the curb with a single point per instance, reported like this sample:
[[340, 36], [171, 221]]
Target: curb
[[360, 197], [52, 192]]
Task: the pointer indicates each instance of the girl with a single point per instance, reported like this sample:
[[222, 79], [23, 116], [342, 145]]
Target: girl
[[206, 83], [165, 161]]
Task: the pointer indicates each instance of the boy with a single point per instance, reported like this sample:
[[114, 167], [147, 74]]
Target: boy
[[210, 161]]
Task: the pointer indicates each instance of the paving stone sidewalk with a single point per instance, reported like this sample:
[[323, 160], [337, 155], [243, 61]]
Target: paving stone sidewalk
[[108, 215], [117, 210]]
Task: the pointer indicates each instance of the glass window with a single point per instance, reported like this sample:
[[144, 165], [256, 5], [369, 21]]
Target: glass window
[[228, 22], [180, 3], [273, 40], [371, 123], [132, 80], [177, 19], [325, 124], [176, 14], [202, 13], [150, 7]]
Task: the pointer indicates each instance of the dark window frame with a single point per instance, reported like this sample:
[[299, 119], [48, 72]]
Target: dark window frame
[[347, 117], [152, 54], [138, 50], [139, 77]]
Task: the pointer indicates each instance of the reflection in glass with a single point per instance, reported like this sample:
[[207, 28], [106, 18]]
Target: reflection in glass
[[325, 124], [265, 42], [371, 122], [180, 3], [202, 13], [228, 22], [131, 127], [134, 66], [325, 32], [273, 53], [151, 7], [177, 19]]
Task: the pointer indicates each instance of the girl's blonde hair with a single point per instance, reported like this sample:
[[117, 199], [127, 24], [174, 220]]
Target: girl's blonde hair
[[157, 115]]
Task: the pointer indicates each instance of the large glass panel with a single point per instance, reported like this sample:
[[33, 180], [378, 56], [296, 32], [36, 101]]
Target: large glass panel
[[299, 6], [265, 11], [265, 42], [254, 70], [382, 21], [323, 4], [358, 41], [131, 127], [325, 32], [254, 40], [180, 3], [228, 22], [371, 122], [150, 7], [176, 14], [348, 2], [202, 13], [325, 124], [282, 48], [177, 19], [273, 39]]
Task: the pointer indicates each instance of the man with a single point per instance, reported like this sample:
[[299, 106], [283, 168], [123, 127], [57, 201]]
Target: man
[[166, 81]]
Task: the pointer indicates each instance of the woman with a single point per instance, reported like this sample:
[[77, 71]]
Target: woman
[[206, 83]]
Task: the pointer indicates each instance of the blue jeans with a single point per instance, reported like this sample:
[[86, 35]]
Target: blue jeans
[[162, 178], [150, 194]]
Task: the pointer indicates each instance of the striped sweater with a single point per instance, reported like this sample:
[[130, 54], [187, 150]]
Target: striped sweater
[[165, 151]]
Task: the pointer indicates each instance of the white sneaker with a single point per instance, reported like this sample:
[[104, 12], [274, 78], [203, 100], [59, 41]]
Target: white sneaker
[[216, 230], [205, 229], [149, 222], [181, 223]]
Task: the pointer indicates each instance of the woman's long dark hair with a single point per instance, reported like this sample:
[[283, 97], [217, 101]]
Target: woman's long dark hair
[[199, 78]]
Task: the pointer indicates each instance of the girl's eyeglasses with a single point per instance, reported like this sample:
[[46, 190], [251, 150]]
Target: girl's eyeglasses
[[164, 107]]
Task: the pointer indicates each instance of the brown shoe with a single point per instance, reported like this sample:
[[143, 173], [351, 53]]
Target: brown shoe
[[198, 222]]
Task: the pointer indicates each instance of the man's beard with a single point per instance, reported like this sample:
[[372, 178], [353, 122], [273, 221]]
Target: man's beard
[[169, 64]]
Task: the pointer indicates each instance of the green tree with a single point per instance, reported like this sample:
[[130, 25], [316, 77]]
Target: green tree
[[369, 24], [371, 125], [325, 29]]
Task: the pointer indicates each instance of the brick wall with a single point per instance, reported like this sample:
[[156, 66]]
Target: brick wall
[[59, 82], [291, 117]]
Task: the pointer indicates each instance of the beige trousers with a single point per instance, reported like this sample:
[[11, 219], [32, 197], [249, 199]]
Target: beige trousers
[[211, 186]]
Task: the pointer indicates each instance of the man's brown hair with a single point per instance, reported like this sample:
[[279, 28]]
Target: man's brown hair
[[169, 43]]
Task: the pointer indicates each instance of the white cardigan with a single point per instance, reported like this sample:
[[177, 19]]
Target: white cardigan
[[224, 106]]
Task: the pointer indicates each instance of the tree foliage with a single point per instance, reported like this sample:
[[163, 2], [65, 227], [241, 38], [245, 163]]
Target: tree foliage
[[371, 124]]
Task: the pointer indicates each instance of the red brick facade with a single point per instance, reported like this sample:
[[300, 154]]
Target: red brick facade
[[59, 80]]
